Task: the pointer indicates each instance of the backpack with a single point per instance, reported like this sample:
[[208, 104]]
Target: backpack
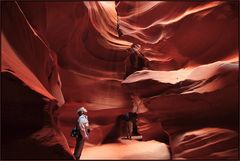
[[75, 131]]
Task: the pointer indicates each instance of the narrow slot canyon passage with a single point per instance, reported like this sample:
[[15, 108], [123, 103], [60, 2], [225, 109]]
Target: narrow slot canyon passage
[[159, 79]]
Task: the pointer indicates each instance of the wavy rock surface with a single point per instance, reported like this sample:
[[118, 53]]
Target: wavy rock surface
[[206, 143], [31, 92], [186, 100], [175, 63], [174, 35]]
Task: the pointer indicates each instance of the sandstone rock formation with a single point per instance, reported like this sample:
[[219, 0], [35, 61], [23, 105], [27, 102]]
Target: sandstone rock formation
[[31, 92], [174, 63]]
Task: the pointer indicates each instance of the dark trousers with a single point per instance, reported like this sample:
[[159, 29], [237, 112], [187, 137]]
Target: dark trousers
[[79, 146]]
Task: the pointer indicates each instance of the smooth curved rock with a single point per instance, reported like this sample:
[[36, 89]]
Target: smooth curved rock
[[128, 150], [174, 35], [187, 100], [206, 143], [174, 63], [31, 90]]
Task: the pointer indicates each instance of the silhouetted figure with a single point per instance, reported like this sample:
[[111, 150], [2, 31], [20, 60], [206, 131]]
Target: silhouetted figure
[[128, 124], [82, 131]]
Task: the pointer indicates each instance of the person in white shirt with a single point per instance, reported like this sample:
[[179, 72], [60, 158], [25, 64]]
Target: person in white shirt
[[83, 131]]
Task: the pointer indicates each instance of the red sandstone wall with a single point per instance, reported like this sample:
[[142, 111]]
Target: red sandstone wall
[[82, 52]]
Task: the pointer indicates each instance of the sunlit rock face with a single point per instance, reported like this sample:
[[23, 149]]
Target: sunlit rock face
[[83, 59], [128, 150], [191, 63], [173, 35], [174, 63], [186, 100]]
